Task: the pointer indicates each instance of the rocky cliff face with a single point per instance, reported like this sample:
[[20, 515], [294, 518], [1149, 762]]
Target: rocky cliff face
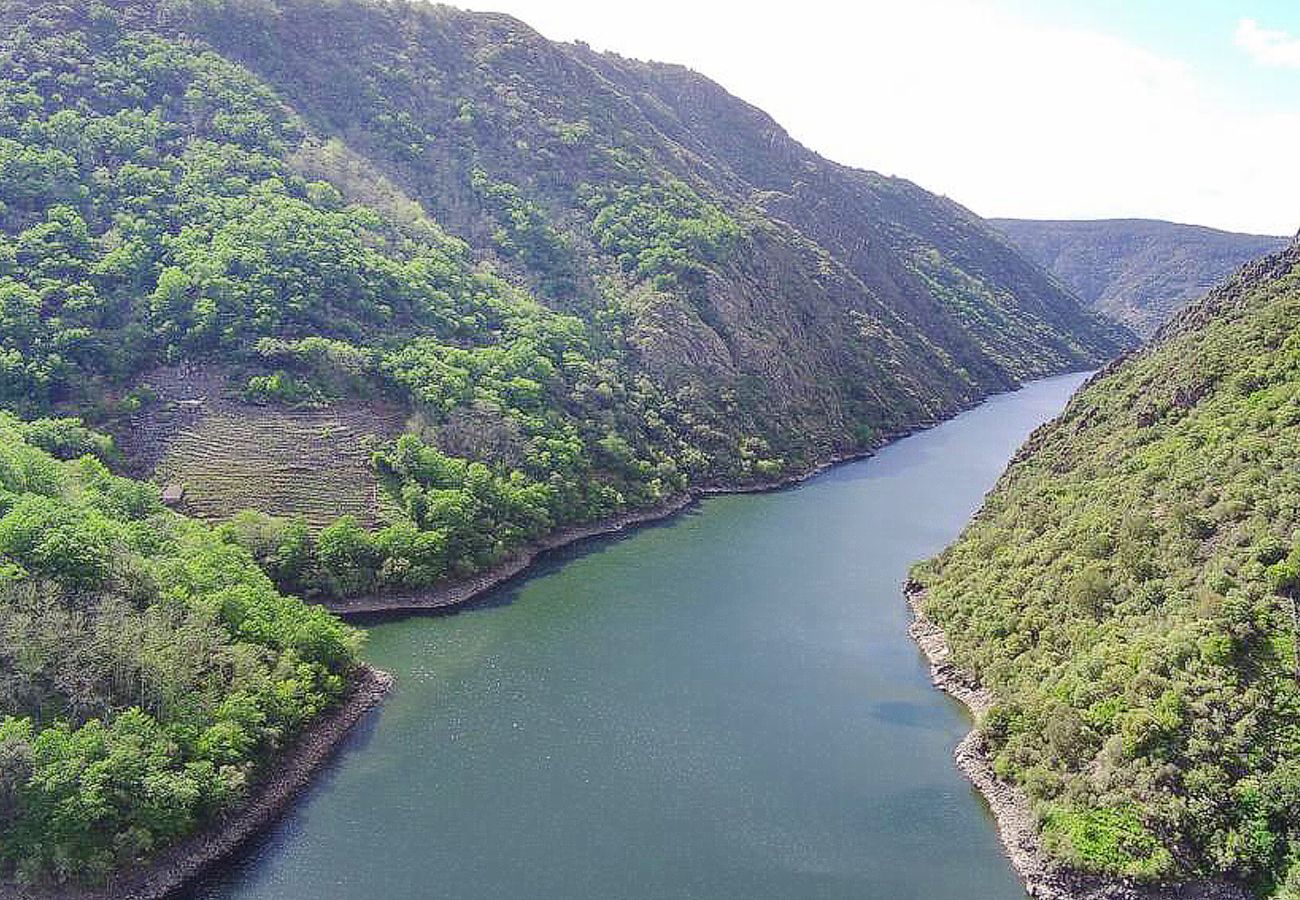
[[1136, 271]]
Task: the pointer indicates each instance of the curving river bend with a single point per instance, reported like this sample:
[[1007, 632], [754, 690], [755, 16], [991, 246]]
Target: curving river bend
[[726, 706]]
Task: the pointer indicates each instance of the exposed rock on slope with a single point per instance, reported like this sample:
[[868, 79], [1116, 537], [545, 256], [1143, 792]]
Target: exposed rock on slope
[[841, 278]]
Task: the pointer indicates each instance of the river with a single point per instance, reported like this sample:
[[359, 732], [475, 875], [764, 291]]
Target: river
[[726, 705]]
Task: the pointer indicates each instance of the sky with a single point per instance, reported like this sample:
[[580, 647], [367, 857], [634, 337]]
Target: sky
[[1187, 110]]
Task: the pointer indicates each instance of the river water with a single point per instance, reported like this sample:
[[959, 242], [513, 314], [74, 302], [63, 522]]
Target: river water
[[726, 706]]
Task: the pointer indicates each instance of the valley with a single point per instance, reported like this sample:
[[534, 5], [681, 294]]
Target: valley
[[437, 459], [726, 704]]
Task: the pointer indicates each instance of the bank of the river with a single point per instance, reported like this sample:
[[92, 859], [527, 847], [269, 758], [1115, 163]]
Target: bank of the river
[[181, 864], [1044, 878], [190, 859], [726, 706], [518, 562]]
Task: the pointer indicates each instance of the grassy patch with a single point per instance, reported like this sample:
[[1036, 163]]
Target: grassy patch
[[1105, 840]]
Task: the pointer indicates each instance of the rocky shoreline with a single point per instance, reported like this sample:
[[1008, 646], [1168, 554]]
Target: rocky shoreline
[[1043, 877], [181, 864], [459, 592]]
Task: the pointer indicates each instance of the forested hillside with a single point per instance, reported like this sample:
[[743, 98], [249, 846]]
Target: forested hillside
[[149, 671], [1129, 591], [577, 283], [1136, 271]]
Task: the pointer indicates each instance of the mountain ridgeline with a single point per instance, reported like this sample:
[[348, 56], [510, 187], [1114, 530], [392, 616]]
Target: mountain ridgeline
[[490, 285], [1136, 271], [1128, 593]]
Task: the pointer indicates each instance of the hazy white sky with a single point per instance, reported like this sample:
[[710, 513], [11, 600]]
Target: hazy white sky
[[1185, 110]]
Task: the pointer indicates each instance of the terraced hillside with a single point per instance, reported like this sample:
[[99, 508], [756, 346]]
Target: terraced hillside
[[230, 455], [309, 463]]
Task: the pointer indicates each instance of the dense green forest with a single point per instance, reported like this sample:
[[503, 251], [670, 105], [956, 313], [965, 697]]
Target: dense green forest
[[149, 669], [1136, 271], [586, 296], [1128, 593]]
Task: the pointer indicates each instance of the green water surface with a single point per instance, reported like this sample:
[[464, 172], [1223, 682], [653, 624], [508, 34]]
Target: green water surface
[[725, 707]]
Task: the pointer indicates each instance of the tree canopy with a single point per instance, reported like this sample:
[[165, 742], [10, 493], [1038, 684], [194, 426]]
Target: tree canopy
[[1127, 592], [149, 670]]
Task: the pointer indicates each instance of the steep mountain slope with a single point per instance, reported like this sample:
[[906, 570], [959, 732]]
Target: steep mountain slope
[[571, 118], [924, 254], [587, 284], [1136, 271], [1128, 595]]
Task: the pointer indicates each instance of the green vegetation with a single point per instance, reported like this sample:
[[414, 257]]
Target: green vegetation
[[1137, 271], [456, 287], [1108, 840], [662, 232], [161, 204], [148, 669], [1128, 593], [526, 233]]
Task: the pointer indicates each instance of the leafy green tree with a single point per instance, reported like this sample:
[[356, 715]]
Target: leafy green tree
[[1284, 578], [148, 667]]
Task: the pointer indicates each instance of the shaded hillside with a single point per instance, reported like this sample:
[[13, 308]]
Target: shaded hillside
[[1136, 271], [587, 284], [1128, 593]]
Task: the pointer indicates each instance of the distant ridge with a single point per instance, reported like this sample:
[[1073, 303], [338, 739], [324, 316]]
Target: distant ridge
[[1136, 271]]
